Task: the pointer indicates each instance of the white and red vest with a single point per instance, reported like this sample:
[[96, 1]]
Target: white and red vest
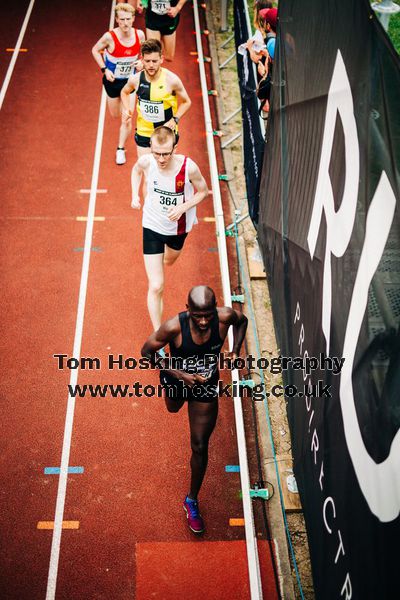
[[164, 191], [122, 59]]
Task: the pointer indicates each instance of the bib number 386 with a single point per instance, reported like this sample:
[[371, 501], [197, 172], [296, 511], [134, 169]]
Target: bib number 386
[[152, 111]]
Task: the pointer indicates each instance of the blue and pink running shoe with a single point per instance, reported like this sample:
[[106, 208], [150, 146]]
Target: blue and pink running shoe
[[195, 520]]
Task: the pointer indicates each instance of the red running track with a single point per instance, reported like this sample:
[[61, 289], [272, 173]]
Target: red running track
[[132, 539]]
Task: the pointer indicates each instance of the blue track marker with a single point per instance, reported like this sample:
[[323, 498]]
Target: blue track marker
[[232, 469], [56, 470], [93, 249]]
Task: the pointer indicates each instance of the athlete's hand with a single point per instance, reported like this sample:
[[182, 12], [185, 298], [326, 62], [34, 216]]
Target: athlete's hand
[[200, 379], [109, 75], [172, 12], [175, 212], [138, 65], [171, 124], [187, 378], [230, 356], [192, 379], [135, 203]]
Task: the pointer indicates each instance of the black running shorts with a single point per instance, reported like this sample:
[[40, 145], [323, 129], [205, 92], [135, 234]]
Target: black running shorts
[[162, 23], [113, 88], [153, 242]]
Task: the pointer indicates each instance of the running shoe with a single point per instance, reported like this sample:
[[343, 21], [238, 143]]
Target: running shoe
[[195, 520], [120, 157]]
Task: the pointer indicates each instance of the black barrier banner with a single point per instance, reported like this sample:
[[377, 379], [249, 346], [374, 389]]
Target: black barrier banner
[[329, 229], [253, 140]]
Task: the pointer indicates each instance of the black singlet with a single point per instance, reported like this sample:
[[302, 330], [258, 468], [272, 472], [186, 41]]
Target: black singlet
[[193, 360], [188, 348]]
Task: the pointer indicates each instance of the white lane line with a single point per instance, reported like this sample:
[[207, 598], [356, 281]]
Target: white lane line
[[15, 54], [251, 538], [69, 418]]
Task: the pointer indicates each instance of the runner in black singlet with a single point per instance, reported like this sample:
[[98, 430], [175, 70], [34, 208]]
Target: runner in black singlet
[[193, 335]]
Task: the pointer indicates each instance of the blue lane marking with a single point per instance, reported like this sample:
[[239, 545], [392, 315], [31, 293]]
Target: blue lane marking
[[56, 470], [232, 469], [93, 249]]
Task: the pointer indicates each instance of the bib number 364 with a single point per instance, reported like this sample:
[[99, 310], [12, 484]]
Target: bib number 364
[[166, 201]]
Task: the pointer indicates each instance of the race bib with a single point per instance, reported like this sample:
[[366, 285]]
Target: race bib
[[152, 110], [123, 70], [159, 7], [162, 200], [202, 366]]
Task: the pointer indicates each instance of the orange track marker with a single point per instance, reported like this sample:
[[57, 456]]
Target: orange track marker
[[94, 218], [20, 50], [236, 522], [65, 525]]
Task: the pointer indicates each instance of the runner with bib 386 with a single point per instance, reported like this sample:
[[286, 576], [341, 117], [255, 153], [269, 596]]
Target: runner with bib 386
[[161, 97]]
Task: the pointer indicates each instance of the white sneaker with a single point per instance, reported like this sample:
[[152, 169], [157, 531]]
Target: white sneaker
[[120, 157]]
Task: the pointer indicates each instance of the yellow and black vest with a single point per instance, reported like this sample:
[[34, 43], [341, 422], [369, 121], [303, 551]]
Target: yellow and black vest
[[155, 106]]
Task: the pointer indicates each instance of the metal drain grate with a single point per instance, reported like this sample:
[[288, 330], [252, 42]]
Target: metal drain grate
[[393, 295]]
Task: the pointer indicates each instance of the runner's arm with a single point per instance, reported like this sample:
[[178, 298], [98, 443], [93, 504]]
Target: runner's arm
[[238, 320], [197, 179], [126, 91], [136, 177], [160, 338], [137, 5], [139, 63], [174, 10], [185, 102], [100, 45], [167, 332]]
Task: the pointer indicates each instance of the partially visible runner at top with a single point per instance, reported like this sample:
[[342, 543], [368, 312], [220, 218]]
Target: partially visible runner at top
[[162, 19], [117, 53]]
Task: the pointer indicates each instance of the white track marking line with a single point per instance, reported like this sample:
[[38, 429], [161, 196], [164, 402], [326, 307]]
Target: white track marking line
[[15, 54], [69, 418], [251, 539]]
